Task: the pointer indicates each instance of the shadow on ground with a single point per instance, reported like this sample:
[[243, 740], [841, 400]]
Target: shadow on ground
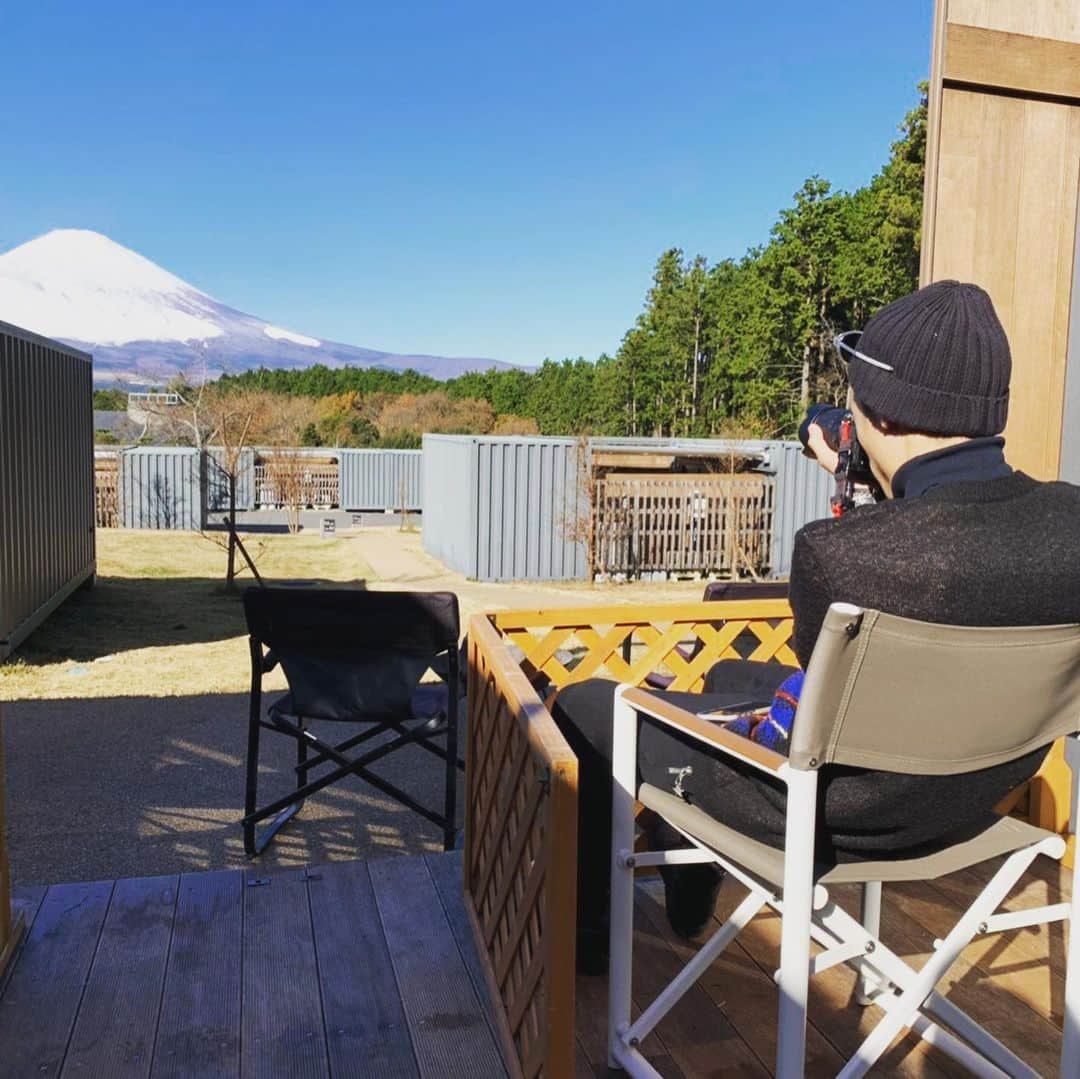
[[123, 613], [136, 786]]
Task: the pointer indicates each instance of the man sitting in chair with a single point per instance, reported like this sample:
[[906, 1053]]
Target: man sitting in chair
[[959, 538]]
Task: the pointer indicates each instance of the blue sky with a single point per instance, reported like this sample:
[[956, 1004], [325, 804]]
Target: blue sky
[[466, 179]]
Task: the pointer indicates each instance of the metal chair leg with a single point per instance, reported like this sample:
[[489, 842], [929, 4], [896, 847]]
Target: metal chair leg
[[251, 784], [870, 916], [450, 796], [255, 842]]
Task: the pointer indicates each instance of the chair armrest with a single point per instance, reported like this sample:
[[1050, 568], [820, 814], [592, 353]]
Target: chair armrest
[[713, 734]]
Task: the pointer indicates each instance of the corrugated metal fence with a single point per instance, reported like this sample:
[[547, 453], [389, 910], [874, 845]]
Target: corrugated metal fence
[[380, 479], [46, 479], [162, 487], [170, 488], [506, 509]]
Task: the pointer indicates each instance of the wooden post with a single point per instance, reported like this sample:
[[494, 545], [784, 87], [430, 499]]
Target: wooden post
[[1001, 209], [11, 926], [1003, 170]]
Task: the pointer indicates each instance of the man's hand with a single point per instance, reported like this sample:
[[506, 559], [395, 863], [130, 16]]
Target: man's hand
[[826, 456]]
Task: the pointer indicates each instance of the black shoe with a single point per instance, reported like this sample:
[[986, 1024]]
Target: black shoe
[[690, 893], [592, 951]]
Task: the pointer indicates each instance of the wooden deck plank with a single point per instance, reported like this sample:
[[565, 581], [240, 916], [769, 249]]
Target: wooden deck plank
[[27, 902], [199, 1028], [446, 871], [734, 985], [41, 1000], [117, 1022], [366, 1031], [697, 1033], [590, 1000], [282, 1033], [1030, 1035], [450, 1035], [832, 1008], [739, 987]]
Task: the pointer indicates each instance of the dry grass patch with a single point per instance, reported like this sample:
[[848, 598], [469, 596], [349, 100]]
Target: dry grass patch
[[159, 621]]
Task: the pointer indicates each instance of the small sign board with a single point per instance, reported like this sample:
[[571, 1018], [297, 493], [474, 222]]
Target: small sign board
[[357, 520], [329, 526]]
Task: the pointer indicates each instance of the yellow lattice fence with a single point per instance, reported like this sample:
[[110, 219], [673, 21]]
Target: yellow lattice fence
[[628, 643], [521, 785]]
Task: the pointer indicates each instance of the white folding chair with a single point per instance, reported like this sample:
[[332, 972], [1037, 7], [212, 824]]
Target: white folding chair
[[884, 693]]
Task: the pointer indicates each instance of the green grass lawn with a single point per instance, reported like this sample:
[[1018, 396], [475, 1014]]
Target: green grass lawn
[[159, 621]]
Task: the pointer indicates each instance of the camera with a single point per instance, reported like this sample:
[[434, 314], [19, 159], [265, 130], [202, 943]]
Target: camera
[[852, 468], [832, 419]]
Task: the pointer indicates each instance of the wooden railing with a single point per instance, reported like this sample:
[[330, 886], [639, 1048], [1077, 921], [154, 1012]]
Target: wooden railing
[[521, 785], [520, 857], [683, 523]]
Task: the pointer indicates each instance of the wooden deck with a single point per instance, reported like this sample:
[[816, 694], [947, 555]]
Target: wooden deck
[[368, 969], [1012, 983], [352, 969]]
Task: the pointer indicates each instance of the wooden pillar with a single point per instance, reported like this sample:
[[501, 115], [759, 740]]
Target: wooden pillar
[[1002, 181], [11, 927]]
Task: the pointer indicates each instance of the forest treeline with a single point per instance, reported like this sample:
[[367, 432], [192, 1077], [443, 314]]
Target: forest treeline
[[740, 346]]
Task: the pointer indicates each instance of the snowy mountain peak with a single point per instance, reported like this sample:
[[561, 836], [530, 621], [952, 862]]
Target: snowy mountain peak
[[142, 322], [83, 257], [80, 285]]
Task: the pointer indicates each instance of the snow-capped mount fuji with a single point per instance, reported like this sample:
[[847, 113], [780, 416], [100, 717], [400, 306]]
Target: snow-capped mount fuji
[[143, 323]]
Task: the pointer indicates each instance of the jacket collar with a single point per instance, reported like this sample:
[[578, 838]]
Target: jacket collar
[[975, 459]]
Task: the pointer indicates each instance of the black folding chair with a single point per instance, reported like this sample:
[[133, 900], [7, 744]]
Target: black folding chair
[[353, 657]]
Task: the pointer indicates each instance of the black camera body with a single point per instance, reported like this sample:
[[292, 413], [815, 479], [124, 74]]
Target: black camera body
[[853, 467]]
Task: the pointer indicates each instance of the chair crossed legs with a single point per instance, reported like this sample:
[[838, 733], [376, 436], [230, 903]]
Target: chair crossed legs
[[1033, 679], [357, 657]]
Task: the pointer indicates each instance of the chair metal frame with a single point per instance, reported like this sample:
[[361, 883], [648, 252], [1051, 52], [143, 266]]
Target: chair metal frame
[[907, 996], [420, 733]]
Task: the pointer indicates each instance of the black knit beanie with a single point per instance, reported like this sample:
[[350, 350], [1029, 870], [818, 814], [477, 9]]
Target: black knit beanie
[[950, 362]]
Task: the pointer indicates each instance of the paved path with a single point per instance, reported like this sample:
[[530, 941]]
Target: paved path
[[129, 786]]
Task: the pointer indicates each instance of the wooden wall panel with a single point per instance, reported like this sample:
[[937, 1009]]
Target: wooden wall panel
[[1003, 174], [1058, 19], [1006, 211]]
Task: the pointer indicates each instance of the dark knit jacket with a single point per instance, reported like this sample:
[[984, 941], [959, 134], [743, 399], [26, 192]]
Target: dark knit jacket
[[986, 552]]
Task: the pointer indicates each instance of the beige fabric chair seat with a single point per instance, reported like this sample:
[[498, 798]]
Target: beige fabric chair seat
[[894, 695], [767, 863]]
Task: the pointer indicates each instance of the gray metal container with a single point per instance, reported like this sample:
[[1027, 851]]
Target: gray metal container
[[380, 479], [512, 509], [46, 479], [449, 494], [505, 509], [217, 480], [162, 487], [803, 489]]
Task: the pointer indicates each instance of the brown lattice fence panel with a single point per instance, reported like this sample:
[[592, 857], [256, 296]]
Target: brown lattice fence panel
[[107, 493], [521, 785], [683, 523], [520, 857]]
